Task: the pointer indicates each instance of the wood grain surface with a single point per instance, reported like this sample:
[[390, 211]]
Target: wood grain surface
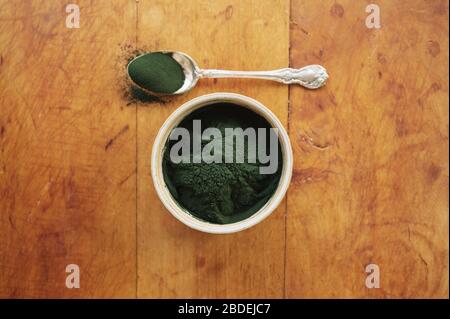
[[67, 148], [371, 172], [370, 181], [173, 260]]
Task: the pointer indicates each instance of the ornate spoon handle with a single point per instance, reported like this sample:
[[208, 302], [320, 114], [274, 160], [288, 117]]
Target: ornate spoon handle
[[312, 76]]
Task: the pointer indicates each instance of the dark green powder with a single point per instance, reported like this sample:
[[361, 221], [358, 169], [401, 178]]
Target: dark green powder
[[221, 193], [157, 72]]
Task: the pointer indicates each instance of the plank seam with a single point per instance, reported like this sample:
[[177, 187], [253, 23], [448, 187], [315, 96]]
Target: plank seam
[[288, 130], [137, 166]]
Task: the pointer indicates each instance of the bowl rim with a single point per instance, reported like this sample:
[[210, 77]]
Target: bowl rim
[[158, 149]]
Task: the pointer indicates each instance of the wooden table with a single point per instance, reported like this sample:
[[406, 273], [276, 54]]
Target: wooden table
[[370, 183]]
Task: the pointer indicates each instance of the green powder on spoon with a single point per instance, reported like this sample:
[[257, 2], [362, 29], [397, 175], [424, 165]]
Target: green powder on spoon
[[157, 72]]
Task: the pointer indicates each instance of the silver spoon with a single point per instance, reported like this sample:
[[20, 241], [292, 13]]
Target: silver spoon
[[311, 76]]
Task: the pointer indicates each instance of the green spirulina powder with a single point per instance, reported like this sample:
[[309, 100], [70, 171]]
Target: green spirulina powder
[[157, 72], [221, 193]]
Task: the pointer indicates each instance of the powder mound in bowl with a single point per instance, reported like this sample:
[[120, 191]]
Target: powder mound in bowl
[[221, 193], [157, 72]]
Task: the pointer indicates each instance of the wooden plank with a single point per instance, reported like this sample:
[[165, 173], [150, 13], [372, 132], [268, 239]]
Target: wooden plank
[[371, 150], [67, 143], [173, 260]]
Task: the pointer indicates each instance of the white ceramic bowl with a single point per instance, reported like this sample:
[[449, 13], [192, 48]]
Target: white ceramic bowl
[[159, 146]]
